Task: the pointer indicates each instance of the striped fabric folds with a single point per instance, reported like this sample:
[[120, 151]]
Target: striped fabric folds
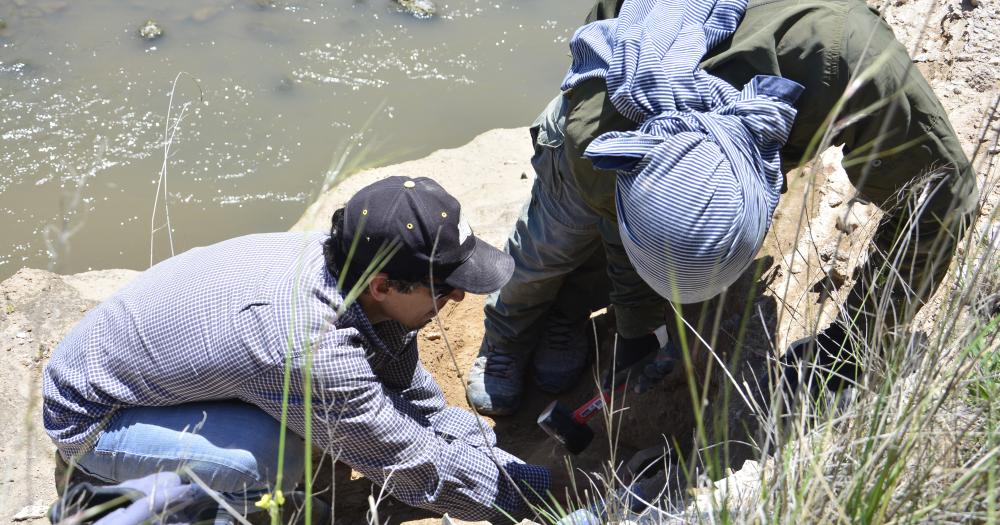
[[699, 180]]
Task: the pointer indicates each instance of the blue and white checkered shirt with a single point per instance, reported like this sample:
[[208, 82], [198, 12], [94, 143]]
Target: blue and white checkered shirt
[[699, 180], [216, 323]]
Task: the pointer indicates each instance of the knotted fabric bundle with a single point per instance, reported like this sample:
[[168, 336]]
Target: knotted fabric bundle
[[700, 178]]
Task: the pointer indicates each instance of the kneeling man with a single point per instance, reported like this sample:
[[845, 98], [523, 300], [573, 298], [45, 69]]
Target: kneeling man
[[188, 365]]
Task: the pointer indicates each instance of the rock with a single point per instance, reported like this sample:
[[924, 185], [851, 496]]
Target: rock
[[96, 286], [834, 199], [958, 35], [432, 336], [795, 262], [285, 84], [418, 8], [856, 215], [922, 57], [31, 512], [846, 224], [524, 176], [577, 517], [150, 30], [836, 275], [993, 151], [53, 6], [737, 492]]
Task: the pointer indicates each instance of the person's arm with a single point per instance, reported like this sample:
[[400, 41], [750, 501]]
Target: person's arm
[[449, 422], [901, 152], [603, 9], [903, 135], [378, 432]]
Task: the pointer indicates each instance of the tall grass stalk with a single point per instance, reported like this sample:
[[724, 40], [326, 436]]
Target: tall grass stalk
[[912, 447], [344, 163], [170, 128], [382, 257], [190, 474], [458, 373]]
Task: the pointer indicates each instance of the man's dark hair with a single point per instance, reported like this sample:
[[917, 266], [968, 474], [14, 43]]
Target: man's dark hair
[[331, 247], [335, 251]]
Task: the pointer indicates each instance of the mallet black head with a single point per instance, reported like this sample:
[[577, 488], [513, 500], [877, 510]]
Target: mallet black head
[[557, 421]]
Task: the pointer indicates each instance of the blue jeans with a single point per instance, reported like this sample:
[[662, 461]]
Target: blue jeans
[[230, 445], [566, 255]]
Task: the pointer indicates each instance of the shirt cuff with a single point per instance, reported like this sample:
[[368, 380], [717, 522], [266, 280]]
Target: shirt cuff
[[533, 482], [776, 87]]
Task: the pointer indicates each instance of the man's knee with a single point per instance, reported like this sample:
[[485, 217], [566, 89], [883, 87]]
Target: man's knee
[[253, 464], [249, 470], [231, 446]]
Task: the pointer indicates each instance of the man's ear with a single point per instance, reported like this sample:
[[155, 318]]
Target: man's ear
[[378, 288]]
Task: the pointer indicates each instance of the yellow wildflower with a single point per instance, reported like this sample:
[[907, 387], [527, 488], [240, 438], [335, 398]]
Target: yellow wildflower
[[267, 501]]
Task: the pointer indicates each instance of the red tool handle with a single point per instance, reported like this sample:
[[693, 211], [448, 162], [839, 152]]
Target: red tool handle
[[595, 405]]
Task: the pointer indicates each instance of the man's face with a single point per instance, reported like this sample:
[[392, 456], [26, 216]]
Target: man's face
[[416, 308]]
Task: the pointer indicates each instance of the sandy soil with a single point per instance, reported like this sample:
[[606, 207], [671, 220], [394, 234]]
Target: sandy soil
[[492, 177]]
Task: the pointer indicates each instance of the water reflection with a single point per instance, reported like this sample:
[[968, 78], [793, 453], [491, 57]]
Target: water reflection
[[275, 97]]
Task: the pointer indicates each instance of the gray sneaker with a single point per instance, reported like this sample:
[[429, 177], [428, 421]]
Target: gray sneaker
[[563, 353], [496, 380]]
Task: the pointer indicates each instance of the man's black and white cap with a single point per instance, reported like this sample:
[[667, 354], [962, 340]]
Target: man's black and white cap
[[427, 225]]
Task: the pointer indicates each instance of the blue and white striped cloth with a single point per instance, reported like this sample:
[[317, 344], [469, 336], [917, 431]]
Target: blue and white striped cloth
[[699, 180]]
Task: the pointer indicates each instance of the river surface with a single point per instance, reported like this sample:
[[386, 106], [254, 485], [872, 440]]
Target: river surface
[[238, 116]]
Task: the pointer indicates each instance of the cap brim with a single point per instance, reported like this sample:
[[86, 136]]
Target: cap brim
[[485, 271]]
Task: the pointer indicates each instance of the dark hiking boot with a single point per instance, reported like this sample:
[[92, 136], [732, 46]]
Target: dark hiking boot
[[563, 353], [496, 380], [65, 476]]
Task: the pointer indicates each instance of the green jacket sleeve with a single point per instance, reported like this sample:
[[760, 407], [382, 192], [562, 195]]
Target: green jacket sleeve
[[898, 129]]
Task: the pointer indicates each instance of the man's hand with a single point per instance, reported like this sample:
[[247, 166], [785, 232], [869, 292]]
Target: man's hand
[[644, 361], [828, 358], [661, 365]]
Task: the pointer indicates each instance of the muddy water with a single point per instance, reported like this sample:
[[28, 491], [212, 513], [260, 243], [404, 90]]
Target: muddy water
[[271, 102]]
